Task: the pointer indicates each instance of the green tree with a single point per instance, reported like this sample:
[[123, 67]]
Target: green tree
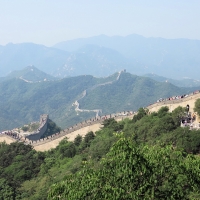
[[134, 172], [6, 191], [66, 149], [141, 113], [177, 115], [78, 140], [163, 111], [112, 124], [88, 138], [197, 106], [18, 163]]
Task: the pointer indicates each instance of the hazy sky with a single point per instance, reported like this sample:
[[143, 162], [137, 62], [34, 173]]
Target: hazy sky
[[50, 21]]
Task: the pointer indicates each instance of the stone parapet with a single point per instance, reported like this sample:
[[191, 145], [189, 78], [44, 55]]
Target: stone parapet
[[172, 104], [86, 123], [41, 130]]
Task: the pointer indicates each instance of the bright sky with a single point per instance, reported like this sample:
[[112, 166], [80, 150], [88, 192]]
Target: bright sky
[[51, 21]]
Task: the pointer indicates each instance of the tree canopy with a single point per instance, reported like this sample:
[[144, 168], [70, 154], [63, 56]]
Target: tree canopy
[[130, 171], [197, 106]]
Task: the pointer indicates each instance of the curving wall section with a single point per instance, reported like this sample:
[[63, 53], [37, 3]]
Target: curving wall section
[[82, 129], [41, 130]]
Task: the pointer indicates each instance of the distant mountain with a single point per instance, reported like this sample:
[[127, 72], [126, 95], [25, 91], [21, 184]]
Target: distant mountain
[[96, 60], [18, 56], [185, 82], [72, 100], [103, 56], [29, 74], [89, 59], [174, 58]]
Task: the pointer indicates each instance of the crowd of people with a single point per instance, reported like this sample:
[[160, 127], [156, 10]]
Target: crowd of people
[[177, 97], [14, 134], [10, 133]]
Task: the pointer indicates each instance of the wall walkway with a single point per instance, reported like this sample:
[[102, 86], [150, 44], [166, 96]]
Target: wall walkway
[[172, 104]]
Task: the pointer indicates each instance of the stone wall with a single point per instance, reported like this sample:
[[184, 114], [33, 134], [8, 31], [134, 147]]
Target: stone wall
[[86, 123], [41, 130], [173, 104]]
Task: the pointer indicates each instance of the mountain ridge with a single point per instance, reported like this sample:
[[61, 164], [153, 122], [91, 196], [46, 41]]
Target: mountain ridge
[[18, 56], [173, 58], [157, 55]]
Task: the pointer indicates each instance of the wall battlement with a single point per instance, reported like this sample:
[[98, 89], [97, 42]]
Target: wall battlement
[[98, 120], [41, 130]]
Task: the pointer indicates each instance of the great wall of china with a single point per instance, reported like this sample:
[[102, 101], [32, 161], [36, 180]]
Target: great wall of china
[[96, 123], [83, 94]]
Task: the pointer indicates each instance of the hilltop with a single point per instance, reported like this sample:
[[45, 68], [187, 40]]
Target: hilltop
[[29, 74]]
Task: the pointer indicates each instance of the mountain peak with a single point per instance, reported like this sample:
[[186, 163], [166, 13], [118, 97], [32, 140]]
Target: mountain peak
[[30, 74]]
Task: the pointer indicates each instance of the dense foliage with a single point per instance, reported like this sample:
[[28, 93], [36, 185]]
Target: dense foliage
[[130, 172], [197, 106], [147, 157], [18, 163]]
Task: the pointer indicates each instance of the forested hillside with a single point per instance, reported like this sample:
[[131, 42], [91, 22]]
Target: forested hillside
[[129, 93], [23, 102], [147, 157]]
